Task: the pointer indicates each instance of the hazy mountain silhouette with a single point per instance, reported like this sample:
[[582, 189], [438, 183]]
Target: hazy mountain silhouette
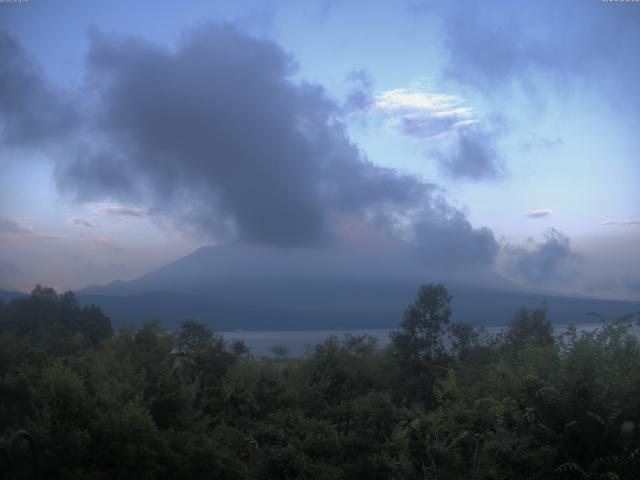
[[236, 286], [6, 295]]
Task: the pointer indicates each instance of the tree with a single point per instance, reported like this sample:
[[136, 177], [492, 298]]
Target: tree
[[280, 351], [418, 345], [420, 336], [56, 322], [463, 339], [205, 356], [530, 328]]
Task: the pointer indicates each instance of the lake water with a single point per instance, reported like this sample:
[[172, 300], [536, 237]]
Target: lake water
[[298, 342]]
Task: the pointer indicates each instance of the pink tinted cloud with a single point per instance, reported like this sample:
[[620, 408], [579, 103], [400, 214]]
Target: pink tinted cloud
[[620, 222], [104, 241], [540, 213], [80, 221]]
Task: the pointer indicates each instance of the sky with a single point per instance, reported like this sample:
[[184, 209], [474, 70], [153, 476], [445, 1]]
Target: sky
[[499, 134]]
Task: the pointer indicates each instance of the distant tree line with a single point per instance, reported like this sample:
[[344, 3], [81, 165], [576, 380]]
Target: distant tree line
[[442, 401]]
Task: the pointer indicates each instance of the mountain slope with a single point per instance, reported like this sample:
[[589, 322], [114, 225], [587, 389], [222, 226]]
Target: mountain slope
[[241, 287], [476, 306], [6, 295]]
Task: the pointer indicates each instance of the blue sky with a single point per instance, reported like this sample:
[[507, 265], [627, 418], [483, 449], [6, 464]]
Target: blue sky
[[504, 108]]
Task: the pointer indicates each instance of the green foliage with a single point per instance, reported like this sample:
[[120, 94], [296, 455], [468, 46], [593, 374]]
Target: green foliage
[[530, 327], [420, 335], [441, 402], [55, 322], [419, 347]]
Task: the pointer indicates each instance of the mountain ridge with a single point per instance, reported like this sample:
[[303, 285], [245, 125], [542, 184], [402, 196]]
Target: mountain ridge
[[244, 287]]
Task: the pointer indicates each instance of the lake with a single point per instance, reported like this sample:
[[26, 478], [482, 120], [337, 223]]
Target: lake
[[299, 341]]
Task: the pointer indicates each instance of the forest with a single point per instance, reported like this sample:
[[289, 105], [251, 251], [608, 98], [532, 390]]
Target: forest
[[443, 400]]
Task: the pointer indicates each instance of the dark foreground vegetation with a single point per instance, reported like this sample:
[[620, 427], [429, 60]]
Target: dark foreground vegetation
[[145, 403]]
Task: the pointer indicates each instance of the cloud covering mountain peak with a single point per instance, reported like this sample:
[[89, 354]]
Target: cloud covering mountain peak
[[218, 137]]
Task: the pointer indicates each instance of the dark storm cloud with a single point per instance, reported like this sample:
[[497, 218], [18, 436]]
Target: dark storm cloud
[[547, 261], [219, 124], [31, 112], [474, 156], [493, 44], [217, 137], [439, 234]]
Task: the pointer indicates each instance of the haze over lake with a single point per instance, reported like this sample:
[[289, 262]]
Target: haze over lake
[[299, 343]]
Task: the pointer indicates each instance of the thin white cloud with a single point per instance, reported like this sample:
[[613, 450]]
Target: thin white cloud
[[620, 222], [40, 236], [10, 226], [81, 222], [402, 98], [540, 213], [116, 209], [423, 115]]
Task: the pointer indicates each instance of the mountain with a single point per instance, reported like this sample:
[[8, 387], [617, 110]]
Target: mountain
[[236, 286], [277, 276], [6, 295]]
